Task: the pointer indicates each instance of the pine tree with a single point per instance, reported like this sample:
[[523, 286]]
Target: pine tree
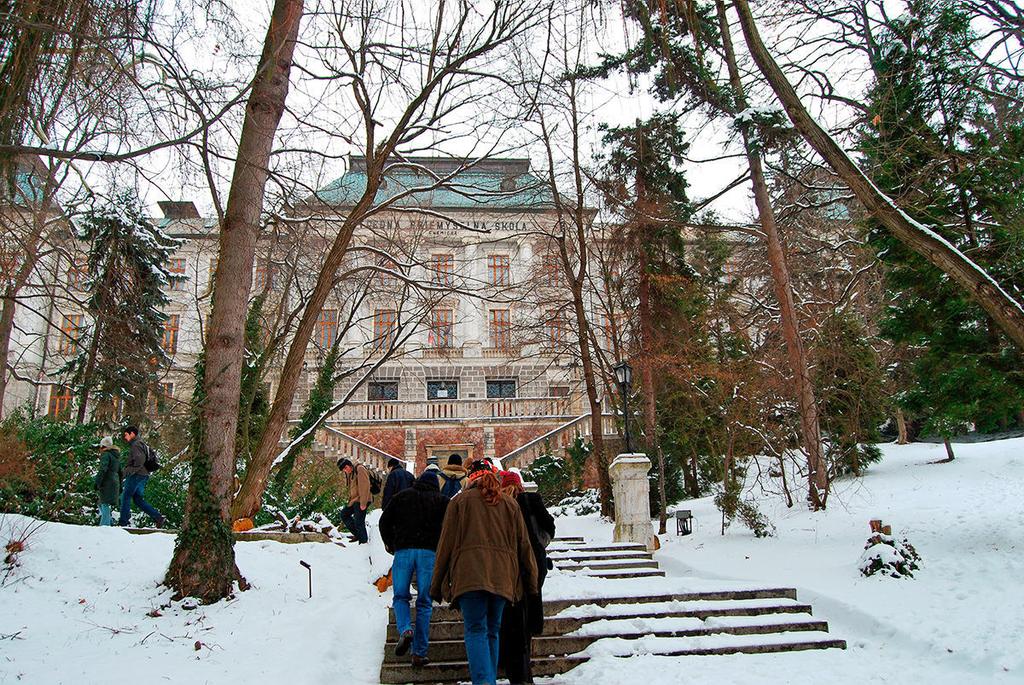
[[642, 182], [127, 266], [927, 146]]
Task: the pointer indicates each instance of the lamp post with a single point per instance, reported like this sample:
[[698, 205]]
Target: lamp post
[[624, 375]]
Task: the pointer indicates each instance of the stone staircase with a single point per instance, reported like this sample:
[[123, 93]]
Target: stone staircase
[[627, 617]]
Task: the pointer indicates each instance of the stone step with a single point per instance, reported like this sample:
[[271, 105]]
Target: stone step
[[612, 564], [561, 645], [586, 556], [456, 671], [651, 573], [621, 547], [555, 606], [567, 538], [449, 627]]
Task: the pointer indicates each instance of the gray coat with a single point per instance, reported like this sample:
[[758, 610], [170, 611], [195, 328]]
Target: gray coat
[[137, 451]]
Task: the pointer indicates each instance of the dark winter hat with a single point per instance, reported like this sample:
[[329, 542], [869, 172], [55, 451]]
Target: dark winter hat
[[455, 460], [394, 463], [430, 478], [342, 463], [479, 466]]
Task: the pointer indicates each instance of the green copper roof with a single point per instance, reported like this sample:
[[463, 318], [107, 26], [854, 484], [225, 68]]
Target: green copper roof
[[486, 184]]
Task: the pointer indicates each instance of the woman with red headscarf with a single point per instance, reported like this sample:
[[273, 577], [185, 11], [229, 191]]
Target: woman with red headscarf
[[484, 560], [523, 619]]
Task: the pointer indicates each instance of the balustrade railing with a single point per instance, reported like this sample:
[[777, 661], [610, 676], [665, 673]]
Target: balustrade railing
[[441, 410]]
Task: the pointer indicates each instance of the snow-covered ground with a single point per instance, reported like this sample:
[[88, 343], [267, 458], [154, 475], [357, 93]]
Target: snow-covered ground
[[960, 620], [77, 609]]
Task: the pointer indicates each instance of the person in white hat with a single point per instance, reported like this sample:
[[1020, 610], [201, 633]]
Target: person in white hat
[[108, 479]]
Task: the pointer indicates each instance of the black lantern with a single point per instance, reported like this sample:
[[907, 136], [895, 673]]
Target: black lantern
[[624, 375]]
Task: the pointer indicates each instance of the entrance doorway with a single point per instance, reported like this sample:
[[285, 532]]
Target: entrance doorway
[[438, 454]]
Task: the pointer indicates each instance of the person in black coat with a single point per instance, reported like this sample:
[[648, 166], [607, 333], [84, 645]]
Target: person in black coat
[[410, 527], [522, 620], [399, 479]]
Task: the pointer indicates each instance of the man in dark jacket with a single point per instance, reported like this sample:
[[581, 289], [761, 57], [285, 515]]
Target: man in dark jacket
[[108, 480], [136, 475], [410, 527], [399, 479]]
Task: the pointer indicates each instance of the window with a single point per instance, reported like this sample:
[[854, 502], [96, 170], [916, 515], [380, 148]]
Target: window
[[176, 270], [441, 328], [498, 269], [327, 328], [442, 390], [382, 391], [442, 268], [386, 276], [500, 389], [558, 391], [551, 269], [170, 338], [160, 401], [384, 325], [60, 400], [265, 274], [501, 329], [70, 330], [556, 326], [77, 274]]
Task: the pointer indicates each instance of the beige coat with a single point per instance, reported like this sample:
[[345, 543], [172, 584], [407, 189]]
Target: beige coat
[[359, 486], [483, 547]]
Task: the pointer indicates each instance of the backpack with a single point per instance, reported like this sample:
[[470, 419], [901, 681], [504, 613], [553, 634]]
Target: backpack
[[452, 486], [152, 464], [374, 483]]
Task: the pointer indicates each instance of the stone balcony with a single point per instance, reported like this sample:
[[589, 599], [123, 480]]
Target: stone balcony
[[484, 410]]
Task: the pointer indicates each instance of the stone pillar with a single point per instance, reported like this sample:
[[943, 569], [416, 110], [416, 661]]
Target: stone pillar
[[488, 446], [631, 491], [410, 451]]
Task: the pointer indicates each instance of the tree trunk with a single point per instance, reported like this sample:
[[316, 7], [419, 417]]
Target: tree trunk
[[204, 558], [6, 328], [981, 287], [949, 450], [817, 474], [901, 427], [647, 378]]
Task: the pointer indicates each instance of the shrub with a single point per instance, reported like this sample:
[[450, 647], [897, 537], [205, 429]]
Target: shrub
[[888, 556], [732, 507]]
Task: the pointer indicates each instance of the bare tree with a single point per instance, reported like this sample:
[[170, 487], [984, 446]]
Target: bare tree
[[439, 75], [204, 562]]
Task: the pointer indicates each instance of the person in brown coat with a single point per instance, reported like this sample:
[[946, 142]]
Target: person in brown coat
[[359, 496], [484, 560]]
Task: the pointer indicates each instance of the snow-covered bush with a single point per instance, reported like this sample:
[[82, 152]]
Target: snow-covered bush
[[891, 557], [578, 503]]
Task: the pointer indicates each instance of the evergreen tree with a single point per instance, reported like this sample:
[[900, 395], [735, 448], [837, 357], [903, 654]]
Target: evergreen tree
[[642, 182], [935, 144], [127, 266]]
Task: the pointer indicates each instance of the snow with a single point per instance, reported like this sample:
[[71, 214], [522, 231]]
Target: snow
[[81, 596], [957, 621]]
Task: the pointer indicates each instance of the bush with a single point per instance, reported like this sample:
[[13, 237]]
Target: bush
[[577, 503], [313, 486], [732, 507], [891, 557], [49, 469], [557, 477]]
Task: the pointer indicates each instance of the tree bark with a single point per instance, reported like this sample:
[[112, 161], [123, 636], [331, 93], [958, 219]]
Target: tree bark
[[647, 379], [949, 450], [982, 288], [817, 474], [901, 427], [204, 559]]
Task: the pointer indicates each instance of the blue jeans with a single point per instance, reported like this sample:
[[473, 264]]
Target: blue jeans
[[407, 562], [481, 620], [354, 519], [134, 487], [106, 519]]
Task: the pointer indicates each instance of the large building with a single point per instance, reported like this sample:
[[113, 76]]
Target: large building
[[450, 318]]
